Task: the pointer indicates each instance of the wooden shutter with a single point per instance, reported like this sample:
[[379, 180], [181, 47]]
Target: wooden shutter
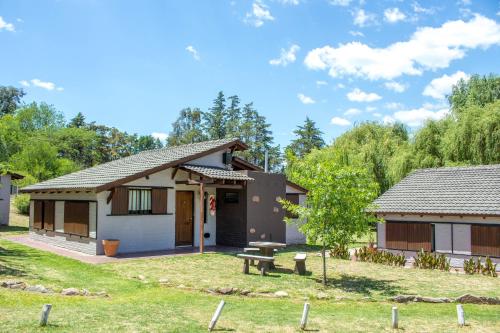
[[396, 235], [48, 215], [76, 218], [38, 214], [485, 240], [119, 203], [419, 236], [293, 198], [159, 200]]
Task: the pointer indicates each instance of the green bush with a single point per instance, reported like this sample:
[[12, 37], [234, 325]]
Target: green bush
[[380, 257], [22, 204], [477, 267], [428, 260]]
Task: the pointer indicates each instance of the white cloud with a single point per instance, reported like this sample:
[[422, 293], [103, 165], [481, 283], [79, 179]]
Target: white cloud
[[352, 112], [441, 86], [160, 135], [343, 3], [356, 33], [362, 18], [321, 83], [395, 86], [260, 13], [388, 120], [5, 25], [340, 121], [417, 117], [44, 84], [340, 85], [289, 2], [370, 108], [393, 15], [194, 52], [358, 95], [417, 8], [305, 99], [376, 114], [428, 49], [393, 106], [24, 83], [286, 56]]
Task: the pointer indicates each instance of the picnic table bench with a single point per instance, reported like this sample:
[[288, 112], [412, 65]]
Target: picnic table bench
[[300, 263], [264, 262]]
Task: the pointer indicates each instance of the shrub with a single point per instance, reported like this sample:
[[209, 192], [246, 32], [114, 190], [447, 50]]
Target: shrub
[[476, 267], [428, 260], [22, 204], [340, 251], [380, 257]]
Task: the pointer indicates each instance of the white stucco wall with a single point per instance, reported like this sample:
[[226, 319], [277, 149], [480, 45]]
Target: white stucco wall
[[214, 160], [381, 235], [4, 199], [293, 235]]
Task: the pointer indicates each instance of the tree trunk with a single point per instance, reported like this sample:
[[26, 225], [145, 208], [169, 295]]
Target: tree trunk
[[324, 262]]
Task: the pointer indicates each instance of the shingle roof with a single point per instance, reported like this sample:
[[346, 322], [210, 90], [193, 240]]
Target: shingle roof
[[100, 176], [455, 190], [217, 173]]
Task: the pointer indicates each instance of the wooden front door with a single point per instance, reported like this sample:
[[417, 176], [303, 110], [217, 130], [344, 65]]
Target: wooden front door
[[184, 218]]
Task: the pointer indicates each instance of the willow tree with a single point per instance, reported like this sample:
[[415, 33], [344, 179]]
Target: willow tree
[[335, 209]]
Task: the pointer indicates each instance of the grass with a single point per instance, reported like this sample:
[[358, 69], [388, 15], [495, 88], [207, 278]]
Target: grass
[[358, 295], [145, 306], [18, 223]]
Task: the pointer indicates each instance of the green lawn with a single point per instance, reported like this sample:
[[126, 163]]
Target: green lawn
[[358, 292]]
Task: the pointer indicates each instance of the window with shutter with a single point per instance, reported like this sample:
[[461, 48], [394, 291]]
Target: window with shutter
[[159, 200], [76, 218], [119, 203], [44, 214], [38, 214]]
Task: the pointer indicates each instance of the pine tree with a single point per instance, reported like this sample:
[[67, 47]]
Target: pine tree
[[233, 117], [216, 118], [78, 121], [308, 137]]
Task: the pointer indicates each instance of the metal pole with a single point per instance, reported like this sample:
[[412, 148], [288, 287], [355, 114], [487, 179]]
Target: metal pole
[[460, 315], [395, 317], [216, 316], [266, 161], [305, 313], [44, 318]]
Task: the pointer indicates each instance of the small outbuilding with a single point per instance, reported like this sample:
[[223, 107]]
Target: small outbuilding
[[451, 210], [6, 179]]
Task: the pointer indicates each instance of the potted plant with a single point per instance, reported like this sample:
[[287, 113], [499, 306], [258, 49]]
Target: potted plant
[[110, 246]]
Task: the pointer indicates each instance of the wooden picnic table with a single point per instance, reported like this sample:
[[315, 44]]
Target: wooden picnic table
[[267, 249]]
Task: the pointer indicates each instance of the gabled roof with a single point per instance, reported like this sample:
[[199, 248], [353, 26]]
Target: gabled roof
[[471, 190], [216, 173], [124, 170], [13, 175]]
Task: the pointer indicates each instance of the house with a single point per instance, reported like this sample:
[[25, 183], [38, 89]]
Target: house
[[451, 210], [5, 191], [191, 195]]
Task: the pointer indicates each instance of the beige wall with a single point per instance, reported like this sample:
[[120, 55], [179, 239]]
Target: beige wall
[[4, 199]]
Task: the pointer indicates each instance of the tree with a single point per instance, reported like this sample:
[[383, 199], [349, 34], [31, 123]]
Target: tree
[[10, 99], [78, 121], [35, 117], [216, 118], [336, 204], [188, 128], [233, 117], [145, 142], [478, 90], [308, 137]]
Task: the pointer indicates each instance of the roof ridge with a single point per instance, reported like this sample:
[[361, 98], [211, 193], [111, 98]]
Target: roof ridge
[[461, 167]]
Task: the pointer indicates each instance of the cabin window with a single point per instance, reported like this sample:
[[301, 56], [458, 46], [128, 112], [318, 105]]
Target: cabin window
[[231, 197], [76, 218], [139, 201]]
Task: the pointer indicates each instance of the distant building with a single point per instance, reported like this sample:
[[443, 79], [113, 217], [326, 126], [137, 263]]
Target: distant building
[[5, 192]]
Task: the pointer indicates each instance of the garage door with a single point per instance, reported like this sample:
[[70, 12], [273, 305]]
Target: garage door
[[485, 240], [408, 236]]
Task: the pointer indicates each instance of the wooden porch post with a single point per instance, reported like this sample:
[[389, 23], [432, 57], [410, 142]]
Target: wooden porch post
[[202, 215]]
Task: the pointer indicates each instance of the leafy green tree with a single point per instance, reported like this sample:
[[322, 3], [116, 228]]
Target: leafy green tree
[[215, 119], [35, 117], [187, 128], [335, 209], [478, 91], [145, 142], [77, 144], [11, 137], [308, 137], [10, 99]]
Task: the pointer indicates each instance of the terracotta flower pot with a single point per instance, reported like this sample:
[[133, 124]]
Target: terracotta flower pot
[[110, 247]]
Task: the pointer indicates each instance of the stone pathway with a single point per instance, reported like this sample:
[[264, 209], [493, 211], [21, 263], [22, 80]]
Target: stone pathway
[[101, 259]]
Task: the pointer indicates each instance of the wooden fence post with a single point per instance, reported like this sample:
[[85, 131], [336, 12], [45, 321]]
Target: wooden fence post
[[395, 320], [44, 318], [216, 316], [305, 313], [460, 315]]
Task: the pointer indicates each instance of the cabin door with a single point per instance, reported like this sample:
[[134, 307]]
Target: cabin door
[[184, 201]]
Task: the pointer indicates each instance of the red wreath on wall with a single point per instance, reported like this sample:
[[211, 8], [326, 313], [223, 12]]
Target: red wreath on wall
[[211, 203]]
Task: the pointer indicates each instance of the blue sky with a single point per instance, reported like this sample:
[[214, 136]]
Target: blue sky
[[134, 65]]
